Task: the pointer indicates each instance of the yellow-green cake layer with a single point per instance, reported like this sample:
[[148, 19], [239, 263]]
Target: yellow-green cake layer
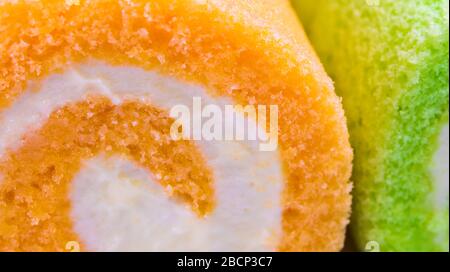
[[389, 60]]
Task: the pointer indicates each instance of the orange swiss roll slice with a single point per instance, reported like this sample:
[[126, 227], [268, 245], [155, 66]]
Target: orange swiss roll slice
[[115, 129]]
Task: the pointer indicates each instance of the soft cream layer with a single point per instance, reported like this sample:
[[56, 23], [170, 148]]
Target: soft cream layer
[[118, 206], [440, 169]]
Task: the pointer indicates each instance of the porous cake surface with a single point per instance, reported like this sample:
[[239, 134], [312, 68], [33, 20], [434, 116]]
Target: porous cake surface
[[251, 52], [389, 60], [232, 190]]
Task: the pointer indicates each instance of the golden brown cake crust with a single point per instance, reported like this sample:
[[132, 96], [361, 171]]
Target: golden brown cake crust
[[252, 51]]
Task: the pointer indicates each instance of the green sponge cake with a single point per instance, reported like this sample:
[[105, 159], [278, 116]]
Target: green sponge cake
[[389, 59]]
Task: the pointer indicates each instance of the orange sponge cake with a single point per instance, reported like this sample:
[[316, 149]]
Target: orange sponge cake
[[87, 152]]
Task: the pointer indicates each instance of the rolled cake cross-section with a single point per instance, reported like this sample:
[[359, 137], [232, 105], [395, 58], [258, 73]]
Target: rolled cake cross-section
[[389, 59], [87, 155]]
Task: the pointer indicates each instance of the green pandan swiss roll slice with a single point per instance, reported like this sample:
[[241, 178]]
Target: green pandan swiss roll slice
[[389, 60]]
